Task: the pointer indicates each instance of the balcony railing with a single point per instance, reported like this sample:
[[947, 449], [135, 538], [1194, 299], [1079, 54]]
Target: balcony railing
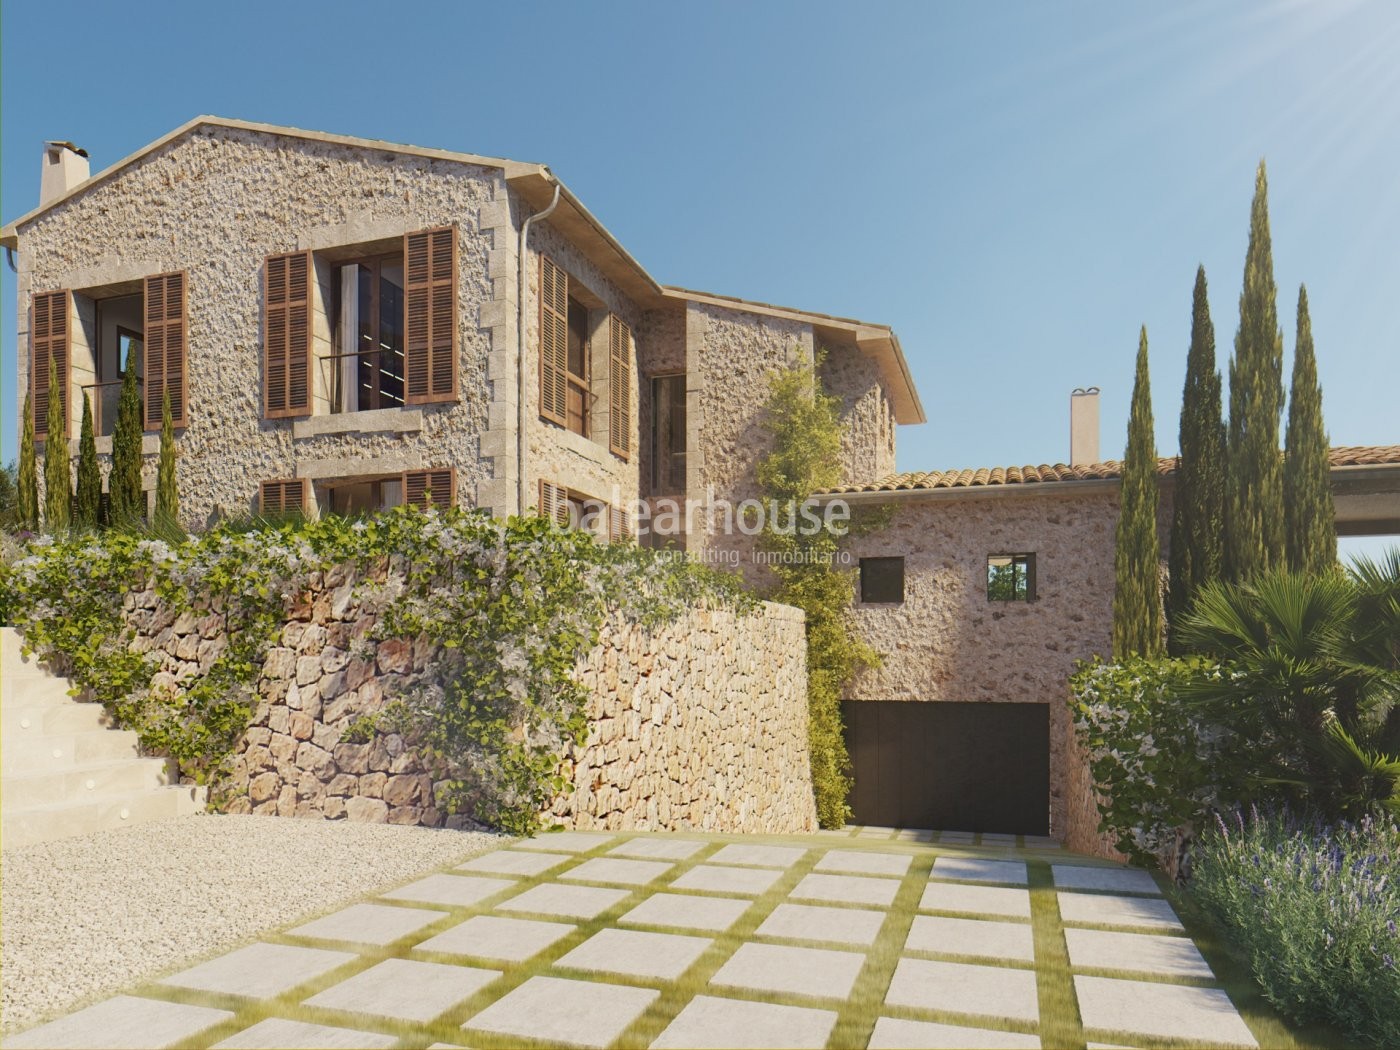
[[105, 396], [366, 396]]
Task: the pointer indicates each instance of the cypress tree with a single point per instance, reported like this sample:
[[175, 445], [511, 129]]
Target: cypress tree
[[167, 496], [1311, 519], [1198, 509], [58, 474], [1137, 597], [124, 483], [27, 484], [1255, 523], [88, 504]]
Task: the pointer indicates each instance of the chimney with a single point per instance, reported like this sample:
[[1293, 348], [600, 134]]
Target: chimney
[[1084, 426], [65, 165]]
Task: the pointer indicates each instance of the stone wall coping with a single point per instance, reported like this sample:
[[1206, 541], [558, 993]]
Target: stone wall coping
[[370, 421]]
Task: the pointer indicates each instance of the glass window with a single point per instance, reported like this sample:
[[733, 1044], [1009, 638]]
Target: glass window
[[1011, 577], [578, 367], [369, 370], [668, 435], [881, 581]]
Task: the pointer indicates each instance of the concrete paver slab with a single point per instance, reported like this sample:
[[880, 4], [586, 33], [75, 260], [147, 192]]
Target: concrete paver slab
[[515, 862], [369, 924], [1167, 1011], [405, 990], [915, 835], [957, 838], [864, 862], [805, 922], [636, 953], [1142, 952], [1118, 911], [657, 848], [993, 991], [259, 970], [1117, 880], [612, 869], [846, 889], [757, 856], [554, 1010], [893, 1034], [748, 882], [565, 841], [496, 937], [570, 902], [460, 891], [976, 869], [123, 1022], [710, 1022], [983, 900], [278, 1033], [994, 940], [687, 911], [818, 972]]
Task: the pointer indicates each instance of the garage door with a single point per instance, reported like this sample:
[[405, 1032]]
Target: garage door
[[953, 766]]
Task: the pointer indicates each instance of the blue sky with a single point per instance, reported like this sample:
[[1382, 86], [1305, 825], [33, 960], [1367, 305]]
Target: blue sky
[[1014, 187]]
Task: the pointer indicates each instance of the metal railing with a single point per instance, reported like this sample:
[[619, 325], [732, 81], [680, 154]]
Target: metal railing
[[104, 422], [335, 380]]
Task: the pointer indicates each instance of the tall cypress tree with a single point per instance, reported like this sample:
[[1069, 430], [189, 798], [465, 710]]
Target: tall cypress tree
[[1198, 507], [88, 504], [58, 474], [1255, 524], [1137, 593], [124, 483], [1311, 518], [167, 496], [27, 483]]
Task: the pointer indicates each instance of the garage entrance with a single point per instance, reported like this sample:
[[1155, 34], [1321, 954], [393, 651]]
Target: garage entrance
[[950, 765]]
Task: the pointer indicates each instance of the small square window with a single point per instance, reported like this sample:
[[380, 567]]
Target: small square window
[[1011, 577], [881, 581]]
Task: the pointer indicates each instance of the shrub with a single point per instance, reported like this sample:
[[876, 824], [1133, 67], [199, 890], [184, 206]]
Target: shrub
[[1314, 910]]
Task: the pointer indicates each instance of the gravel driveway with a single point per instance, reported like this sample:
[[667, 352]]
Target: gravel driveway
[[85, 917]]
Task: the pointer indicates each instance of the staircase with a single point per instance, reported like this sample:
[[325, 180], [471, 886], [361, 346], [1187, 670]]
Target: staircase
[[63, 770]]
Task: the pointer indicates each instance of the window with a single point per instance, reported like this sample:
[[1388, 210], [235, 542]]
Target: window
[[360, 495], [1011, 577], [668, 435], [881, 581], [576, 510], [118, 323], [368, 364], [578, 367]]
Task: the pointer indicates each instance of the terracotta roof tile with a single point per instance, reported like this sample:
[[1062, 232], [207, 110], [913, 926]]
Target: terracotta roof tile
[[923, 480]]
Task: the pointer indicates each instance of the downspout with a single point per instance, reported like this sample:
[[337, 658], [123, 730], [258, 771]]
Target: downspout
[[522, 392]]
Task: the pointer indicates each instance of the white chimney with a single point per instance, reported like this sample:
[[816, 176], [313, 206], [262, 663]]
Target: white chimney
[[1084, 426], [65, 166]]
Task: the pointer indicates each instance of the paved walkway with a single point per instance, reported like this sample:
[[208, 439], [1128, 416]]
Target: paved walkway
[[868, 937]]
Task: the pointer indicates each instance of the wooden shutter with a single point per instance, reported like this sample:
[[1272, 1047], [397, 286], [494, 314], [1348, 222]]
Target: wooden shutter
[[49, 341], [287, 335], [284, 496], [554, 503], [166, 347], [554, 342], [424, 488], [619, 387], [430, 315], [619, 526]]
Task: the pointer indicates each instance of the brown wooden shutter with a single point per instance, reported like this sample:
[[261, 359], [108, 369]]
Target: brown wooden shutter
[[554, 342], [424, 488], [430, 315], [50, 340], [284, 496], [554, 503], [166, 347], [619, 387], [619, 526], [287, 335]]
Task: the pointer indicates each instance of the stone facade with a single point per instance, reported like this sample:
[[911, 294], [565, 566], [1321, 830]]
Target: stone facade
[[698, 725]]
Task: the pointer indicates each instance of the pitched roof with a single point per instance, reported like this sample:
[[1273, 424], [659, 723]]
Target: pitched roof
[[1001, 477]]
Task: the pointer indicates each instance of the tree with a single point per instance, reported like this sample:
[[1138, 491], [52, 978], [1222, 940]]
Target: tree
[[1255, 522], [27, 482], [7, 493], [1198, 507], [87, 508], [58, 474], [127, 501], [167, 495], [1137, 597], [1310, 518]]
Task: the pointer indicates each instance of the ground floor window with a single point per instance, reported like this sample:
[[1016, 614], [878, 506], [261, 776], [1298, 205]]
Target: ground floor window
[[1011, 577]]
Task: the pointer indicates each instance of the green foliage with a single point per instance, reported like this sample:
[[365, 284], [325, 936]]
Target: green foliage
[[1137, 594], [167, 517], [804, 424], [87, 506], [1313, 908], [58, 475], [8, 495], [1310, 518], [1198, 507], [27, 481], [127, 501], [1255, 517], [1157, 765]]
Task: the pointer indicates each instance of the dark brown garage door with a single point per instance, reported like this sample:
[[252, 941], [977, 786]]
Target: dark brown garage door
[[955, 766]]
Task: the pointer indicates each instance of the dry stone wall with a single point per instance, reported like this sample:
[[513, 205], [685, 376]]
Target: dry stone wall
[[701, 724]]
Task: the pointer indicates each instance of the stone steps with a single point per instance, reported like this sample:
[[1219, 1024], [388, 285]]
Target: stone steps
[[64, 770]]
